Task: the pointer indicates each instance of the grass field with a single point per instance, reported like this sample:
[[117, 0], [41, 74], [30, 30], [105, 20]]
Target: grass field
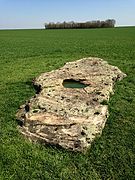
[[24, 54]]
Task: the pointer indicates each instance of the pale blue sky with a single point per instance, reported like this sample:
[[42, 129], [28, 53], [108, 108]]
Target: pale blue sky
[[33, 13]]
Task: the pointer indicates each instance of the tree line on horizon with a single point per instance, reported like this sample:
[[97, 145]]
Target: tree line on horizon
[[109, 23]]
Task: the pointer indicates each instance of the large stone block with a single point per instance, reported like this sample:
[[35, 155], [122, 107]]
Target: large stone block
[[70, 108]]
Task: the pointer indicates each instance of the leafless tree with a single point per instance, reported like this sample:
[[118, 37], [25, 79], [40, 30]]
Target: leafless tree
[[109, 23]]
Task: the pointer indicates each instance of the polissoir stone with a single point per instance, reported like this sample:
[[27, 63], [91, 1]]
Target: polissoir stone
[[70, 108]]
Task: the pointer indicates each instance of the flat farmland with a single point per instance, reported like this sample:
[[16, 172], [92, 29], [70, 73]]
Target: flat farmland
[[25, 54]]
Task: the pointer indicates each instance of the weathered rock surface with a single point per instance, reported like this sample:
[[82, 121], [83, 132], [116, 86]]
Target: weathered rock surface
[[70, 117]]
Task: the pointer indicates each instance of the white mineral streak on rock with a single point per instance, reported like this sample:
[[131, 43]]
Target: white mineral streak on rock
[[70, 117]]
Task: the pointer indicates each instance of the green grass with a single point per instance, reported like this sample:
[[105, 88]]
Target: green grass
[[24, 54]]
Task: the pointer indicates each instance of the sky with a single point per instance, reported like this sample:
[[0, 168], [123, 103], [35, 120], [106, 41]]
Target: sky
[[31, 14]]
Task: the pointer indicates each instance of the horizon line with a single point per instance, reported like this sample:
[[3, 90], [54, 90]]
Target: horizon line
[[44, 28]]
